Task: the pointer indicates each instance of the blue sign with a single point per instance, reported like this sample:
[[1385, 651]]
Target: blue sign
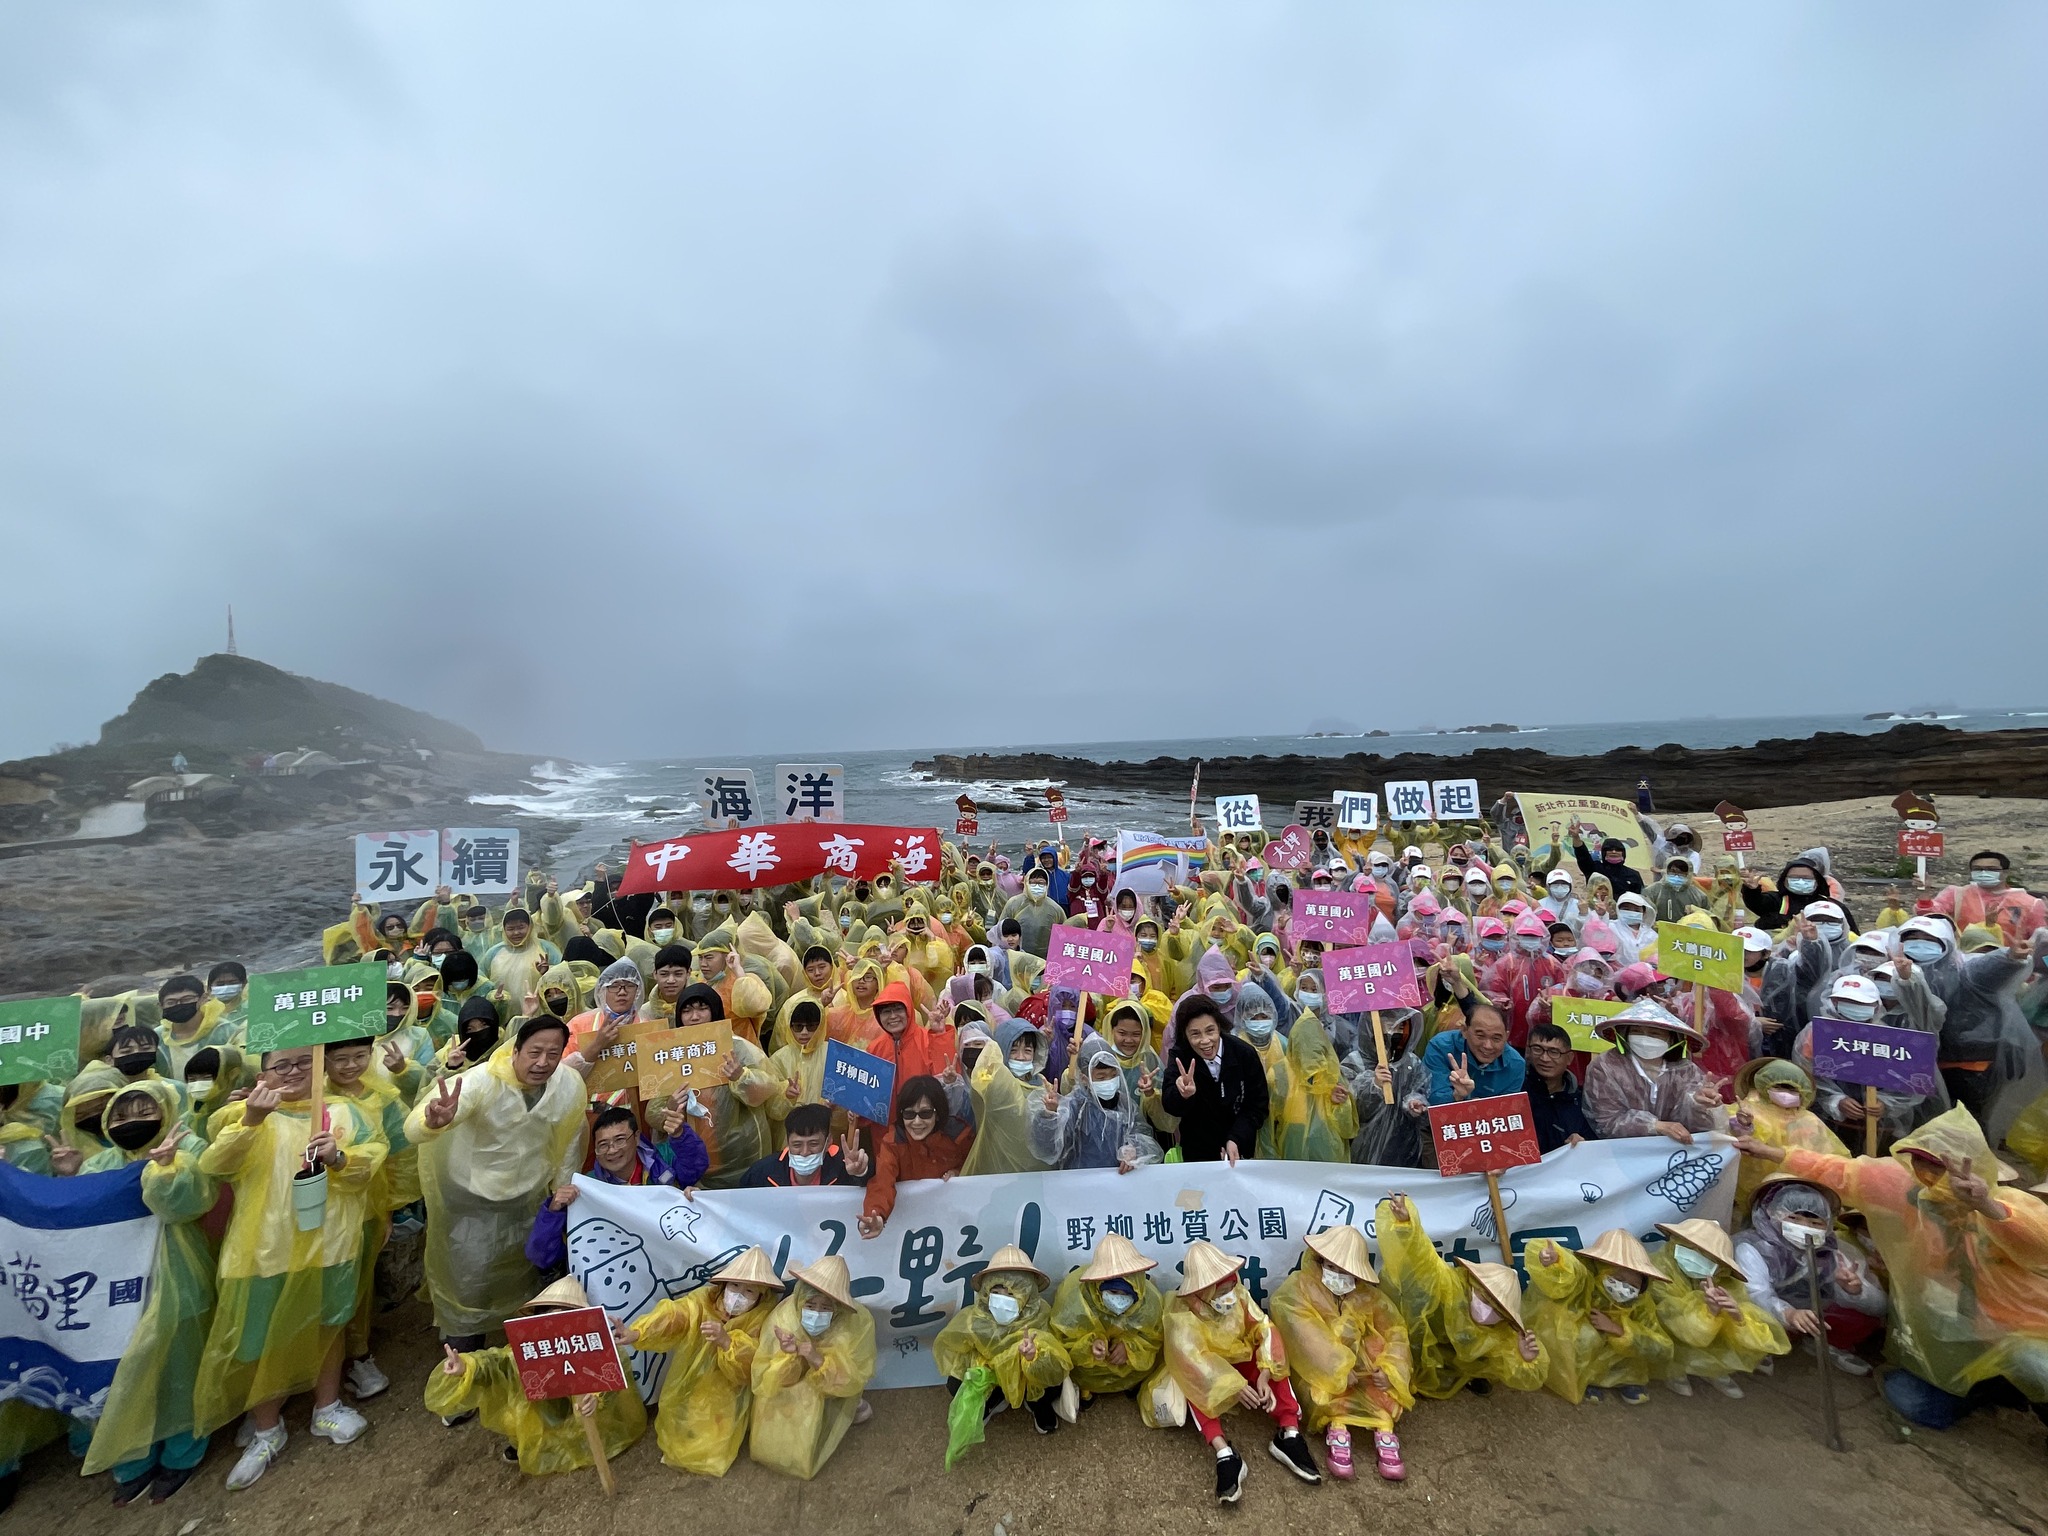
[[858, 1083], [1898, 1061]]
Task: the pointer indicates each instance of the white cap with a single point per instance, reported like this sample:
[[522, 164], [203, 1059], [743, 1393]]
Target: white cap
[[1631, 899], [1855, 989], [1815, 909], [1754, 940]]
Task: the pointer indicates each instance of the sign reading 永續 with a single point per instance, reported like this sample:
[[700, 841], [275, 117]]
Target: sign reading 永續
[[288, 1009]]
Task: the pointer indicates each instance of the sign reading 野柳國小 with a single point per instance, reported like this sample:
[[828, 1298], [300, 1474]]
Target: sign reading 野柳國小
[[859, 1082]]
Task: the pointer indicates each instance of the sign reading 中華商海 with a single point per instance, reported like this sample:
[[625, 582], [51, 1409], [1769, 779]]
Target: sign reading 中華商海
[[1371, 977], [1704, 955], [1097, 960], [784, 854], [39, 1040], [289, 1009], [1895, 1060], [687, 1056], [616, 1068]]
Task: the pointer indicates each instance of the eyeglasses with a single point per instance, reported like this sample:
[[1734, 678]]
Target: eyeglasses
[[920, 1112], [1549, 1048]]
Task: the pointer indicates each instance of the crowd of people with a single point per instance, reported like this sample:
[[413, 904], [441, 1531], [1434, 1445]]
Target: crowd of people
[[461, 1127]]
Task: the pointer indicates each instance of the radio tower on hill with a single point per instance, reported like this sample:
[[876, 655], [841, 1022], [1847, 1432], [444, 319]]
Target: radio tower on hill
[[231, 631]]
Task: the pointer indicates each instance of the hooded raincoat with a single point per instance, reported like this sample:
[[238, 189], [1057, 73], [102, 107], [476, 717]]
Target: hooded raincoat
[[1448, 1346], [708, 1394], [1567, 1292], [1335, 1343], [801, 1414]]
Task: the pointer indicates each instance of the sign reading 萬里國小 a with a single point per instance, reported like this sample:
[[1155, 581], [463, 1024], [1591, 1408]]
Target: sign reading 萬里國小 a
[[1097, 960], [289, 1009]]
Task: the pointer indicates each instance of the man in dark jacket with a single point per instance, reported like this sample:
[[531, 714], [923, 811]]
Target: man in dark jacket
[[1613, 863], [1554, 1100], [1215, 1083], [808, 1159]]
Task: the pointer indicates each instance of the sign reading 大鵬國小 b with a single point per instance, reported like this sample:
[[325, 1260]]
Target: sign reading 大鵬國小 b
[[288, 1009], [39, 1040], [1704, 955]]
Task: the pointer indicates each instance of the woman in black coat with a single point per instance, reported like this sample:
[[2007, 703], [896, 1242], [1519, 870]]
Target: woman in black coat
[[1215, 1083]]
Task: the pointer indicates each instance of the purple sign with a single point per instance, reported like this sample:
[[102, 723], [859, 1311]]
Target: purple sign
[[1094, 960], [1896, 1060], [1371, 977], [1330, 918]]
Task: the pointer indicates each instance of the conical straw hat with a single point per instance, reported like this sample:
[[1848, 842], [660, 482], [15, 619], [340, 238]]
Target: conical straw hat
[[1501, 1286], [1345, 1248], [1707, 1237], [1618, 1248], [1204, 1266], [1015, 1260], [829, 1277], [565, 1292], [1115, 1257], [750, 1268]]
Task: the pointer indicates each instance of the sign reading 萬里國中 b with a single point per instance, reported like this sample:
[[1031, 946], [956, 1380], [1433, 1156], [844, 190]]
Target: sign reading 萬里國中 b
[[39, 1040], [289, 1009]]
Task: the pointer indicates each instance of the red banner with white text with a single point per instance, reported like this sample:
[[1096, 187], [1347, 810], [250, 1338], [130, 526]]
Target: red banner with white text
[[786, 853]]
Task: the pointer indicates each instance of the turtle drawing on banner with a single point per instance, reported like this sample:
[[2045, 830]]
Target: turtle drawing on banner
[[1482, 1218], [1685, 1180], [619, 1274]]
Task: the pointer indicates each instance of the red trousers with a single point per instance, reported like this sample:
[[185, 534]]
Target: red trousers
[[1286, 1411]]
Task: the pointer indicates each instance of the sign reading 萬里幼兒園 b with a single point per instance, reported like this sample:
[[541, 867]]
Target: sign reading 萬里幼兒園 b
[[289, 1009], [1484, 1135], [1704, 955], [39, 1040]]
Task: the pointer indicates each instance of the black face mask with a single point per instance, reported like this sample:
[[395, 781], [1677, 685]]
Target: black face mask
[[181, 1013], [479, 1045], [90, 1124], [134, 1135], [558, 1006], [135, 1063]]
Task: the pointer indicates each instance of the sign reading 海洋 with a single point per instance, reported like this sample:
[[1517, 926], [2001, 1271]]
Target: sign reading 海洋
[[1237, 813], [1371, 977], [289, 1009], [1097, 960], [858, 1082], [480, 861], [1705, 955], [397, 866], [1895, 1060], [39, 1040], [1357, 810], [729, 798], [811, 791], [687, 1056], [1578, 1016], [565, 1354], [1410, 800], [1332, 917], [1484, 1135], [745, 860]]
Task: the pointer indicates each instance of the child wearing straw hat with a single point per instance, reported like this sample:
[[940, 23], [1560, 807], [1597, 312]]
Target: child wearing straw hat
[[1221, 1352], [1716, 1328], [1464, 1320], [816, 1357], [1109, 1316], [712, 1335], [544, 1436], [1346, 1344], [1005, 1341], [1595, 1316]]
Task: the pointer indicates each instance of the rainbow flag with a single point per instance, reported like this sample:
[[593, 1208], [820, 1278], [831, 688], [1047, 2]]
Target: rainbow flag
[[1148, 864]]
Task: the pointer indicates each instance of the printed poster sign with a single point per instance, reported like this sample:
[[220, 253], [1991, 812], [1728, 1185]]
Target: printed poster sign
[[1410, 800], [616, 1068], [1237, 813], [1091, 960], [862, 1084], [565, 1354], [397, 866], [1894, 1060], [1484, 1135], [811, 791], [289, 1009], [1290, 850], [729, 798], [39, 1040], [1736, 833], [1578, 1017], [1550, 819], [1316, 815], [1705, 955], [1371, 977], [1357, 810], [1456, 799], [1332, 918], [688, 1056], [480, 861], [1920, 845]]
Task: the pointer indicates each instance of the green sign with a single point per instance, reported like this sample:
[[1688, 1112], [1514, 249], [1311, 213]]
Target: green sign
[[288, 1009], [39, 1040], [1576, 1016], [1705, 955]]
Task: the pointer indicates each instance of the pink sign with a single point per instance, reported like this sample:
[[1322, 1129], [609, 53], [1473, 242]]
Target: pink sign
[[1369, 977], [1291, 849], [1097, 961], [1330, 918]]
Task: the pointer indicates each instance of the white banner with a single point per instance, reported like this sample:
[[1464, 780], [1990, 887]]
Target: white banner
[[634, 1246], [397, 866], [480, 861]]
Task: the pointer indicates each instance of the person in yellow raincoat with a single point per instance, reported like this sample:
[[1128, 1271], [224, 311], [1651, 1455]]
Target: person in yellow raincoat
[[1464, 1322], [1003, 1343], [927, 952], [817, 1356], [348, 1065], [1705, 1307], [29, 1116], [711, 1335], [1347, 1345], [1109, 1317], [1965, 1259], [213, 1075], [1007, 1086], [1596, 1318], [1221, 1352], [286, 1279], [820, 984], [544, 1436], [1314, 1116], [1774, 1104], [731, 1116], [798, 1067], [145, 1432], [494, 1143]]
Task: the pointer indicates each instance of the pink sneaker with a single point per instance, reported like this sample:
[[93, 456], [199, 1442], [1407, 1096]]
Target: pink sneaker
[[1386, 1450], [1338, 1446]]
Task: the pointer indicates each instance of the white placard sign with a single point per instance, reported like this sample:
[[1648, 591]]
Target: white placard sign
[[480, 861], [1410, 800], [1457, 799], [1237, 813], [810, 791], [729, 798], [397, 866], [1357, 810]]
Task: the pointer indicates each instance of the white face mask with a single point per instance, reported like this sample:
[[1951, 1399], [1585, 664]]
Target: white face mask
[[1482, 1310], [1260, 1030], [1119, 1302], [1648, 1047], [1855, 1013], [1227, 1302], [703, 904], [1023, 1068], [945, 917], [1619, 1291], [1148, 945], [804, 1164], [816, 1320], [1692, 1262], [1528, 943], [1560, 893], [199, 1087], [1106, 1089], [1924, 951], [1037, 891], [1785, 1098], [395, 971], [1004, 1309], [1800, 1235], [660, 935], [1828, 931], [1985, 877], [1337, 1283], [1631, 918], [230, 992], [737, 1299]]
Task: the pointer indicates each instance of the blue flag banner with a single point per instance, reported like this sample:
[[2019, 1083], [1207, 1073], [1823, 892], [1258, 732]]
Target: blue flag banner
[[75, 1261]]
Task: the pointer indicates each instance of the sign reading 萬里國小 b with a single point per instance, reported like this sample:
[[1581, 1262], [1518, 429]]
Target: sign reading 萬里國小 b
[[39, 1040], [1896, 1060], [1704, 955], [288, 1009], [858, 1082], [1371, 977]]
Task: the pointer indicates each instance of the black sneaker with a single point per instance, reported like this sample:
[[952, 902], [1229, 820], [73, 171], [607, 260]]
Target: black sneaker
[[1290, 1449], [509, 1452], [168, 1480], [129, 1492], [1042, 1413], [457, 1420], [1229, 1478], [1479, 1386]]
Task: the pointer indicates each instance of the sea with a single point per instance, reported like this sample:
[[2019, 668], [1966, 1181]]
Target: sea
[[614, 804]]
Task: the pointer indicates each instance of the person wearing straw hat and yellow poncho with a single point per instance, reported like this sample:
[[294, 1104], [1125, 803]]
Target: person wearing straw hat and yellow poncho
[[816, 1357], [1346, 1344], [1715, 1328], [1109, 1316], [544, 1437], [1464, 1320], [1596, 1318], [1221, 1352], [1004, 1341], [712, 1335]]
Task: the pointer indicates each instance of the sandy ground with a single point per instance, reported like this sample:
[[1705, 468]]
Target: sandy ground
[[1510, 1463]]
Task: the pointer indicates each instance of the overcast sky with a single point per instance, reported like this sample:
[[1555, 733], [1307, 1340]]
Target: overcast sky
[[652, 379]]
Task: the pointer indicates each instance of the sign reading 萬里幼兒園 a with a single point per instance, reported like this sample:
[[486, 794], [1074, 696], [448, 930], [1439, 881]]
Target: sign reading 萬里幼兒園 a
[[565, 1354], [39, 1040], [289, 1009]]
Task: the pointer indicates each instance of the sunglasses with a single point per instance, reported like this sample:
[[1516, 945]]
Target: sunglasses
[[920, 1112]]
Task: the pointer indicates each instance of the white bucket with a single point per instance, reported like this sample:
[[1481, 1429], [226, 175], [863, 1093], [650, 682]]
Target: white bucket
[[309, 1199]]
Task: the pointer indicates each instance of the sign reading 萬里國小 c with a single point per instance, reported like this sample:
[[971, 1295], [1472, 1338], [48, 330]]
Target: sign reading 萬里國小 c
[[1704, 955], [39, 1040], [289, 1009], [1332, 917]]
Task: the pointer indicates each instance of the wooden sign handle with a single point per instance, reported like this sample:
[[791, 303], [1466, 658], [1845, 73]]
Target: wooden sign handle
[[1379, 1039], [594, 1437], [1870, 1111], [1500, 1218]]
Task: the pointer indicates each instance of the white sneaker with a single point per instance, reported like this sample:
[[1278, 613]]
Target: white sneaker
[[265, 1446], [1727, 1386], [365, 1379], [339, 1422], [1848, 1364], [1682, 1385], [243, 1431], [863, 1411]]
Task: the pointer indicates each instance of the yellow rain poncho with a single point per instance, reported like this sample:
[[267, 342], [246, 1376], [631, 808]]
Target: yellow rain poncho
[[1334, 1343], [1564, 1295], [1776, 1126], [1314, 1116], [79, 1123], [708, 1393], [547, 1434], [1706, 1342], [801, 1415], [733, 1118], [34, 1110], [1968, 1302], [973, 1338], [484, 1177], [151, 1396], [284, 1296], [236, 1070], [1203, 1351], [1081, 1321], [805, 1067], [1004, 1105], [1447, 1345], [755, 940], [397, 1184]]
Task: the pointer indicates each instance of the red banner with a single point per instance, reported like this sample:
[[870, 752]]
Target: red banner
[[1484, 1135], [784, 853], [565, 1354]]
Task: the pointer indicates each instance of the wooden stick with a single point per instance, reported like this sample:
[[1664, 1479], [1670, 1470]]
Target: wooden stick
[[594, 1437], [314, 1127], [1379, 1038], [1500, 1218], [1870, 1120]]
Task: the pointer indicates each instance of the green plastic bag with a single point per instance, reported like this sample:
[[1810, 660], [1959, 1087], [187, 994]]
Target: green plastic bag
[[1173, 1156], [964, 1420]]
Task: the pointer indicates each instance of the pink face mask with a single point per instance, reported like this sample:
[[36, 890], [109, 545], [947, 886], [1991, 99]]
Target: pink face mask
[[1785, 1098]]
